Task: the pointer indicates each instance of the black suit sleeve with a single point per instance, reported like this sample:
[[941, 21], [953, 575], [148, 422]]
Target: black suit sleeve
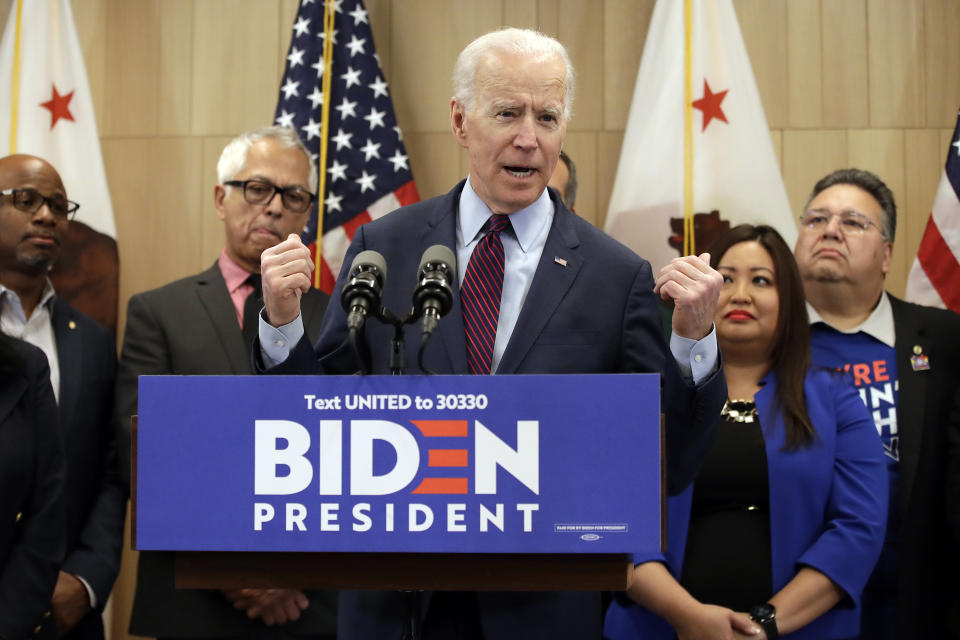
[[96, 554], [29, 573], [692, 411]]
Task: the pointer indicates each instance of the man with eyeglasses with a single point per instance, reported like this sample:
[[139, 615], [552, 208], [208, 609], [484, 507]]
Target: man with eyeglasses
[[204, 325], [903, 358], [34, 216]]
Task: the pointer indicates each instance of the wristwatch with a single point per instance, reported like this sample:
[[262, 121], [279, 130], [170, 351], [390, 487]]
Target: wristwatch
[[765, 615]]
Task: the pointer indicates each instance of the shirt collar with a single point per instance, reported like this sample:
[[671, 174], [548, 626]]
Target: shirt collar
[[46, 298], [526, 223], [233, 274], [879, 324]]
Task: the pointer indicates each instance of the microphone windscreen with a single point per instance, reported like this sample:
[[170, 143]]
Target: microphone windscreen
[[374, 259], [439, 253]]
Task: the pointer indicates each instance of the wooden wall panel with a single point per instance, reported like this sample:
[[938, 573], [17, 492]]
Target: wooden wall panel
[[845, 90], [882, 152], [941, 50], [580, 29], [211, 229], [922, 169], [624, 34], [776, 137], [176, 67], [235, 65], [520, 13], [894, 36], [432, 32], [764, 27], [808, 155], [435, 159], [133, 67], [804, 87], [90, 17]]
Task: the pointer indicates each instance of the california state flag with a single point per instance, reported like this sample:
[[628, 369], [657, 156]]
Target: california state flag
[[696, 152], [46, 110], [935, 277]]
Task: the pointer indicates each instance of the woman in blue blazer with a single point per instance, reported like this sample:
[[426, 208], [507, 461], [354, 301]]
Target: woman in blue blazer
[[781, 529], [32, 517]]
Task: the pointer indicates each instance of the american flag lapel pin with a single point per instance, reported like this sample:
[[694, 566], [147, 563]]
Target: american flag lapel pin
[[560, 261]]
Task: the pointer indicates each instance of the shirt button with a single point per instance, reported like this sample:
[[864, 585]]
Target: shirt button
[[37, 629], [698, 358], [19, 516], [280, 343]]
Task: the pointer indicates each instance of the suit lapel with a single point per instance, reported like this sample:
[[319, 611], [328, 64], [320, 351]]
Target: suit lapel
[[212, 291], [442, 229], [66, 331], [911, 397], [550, 284]]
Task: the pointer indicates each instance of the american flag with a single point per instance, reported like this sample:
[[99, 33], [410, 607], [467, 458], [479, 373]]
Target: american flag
[[368, 172], [935, 277]]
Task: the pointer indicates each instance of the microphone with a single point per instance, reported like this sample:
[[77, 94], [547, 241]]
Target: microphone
[[361, 294], [433, 296]]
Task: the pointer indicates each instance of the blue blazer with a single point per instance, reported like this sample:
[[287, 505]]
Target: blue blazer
[[591, 311], [828, 508]]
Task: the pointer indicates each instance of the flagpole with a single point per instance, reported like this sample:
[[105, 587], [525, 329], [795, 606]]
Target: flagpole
[[15, 81], [689, 245], [329, 14]]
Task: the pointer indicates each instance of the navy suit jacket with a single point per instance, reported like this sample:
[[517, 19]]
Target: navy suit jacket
[[95, 496], [591, 311], [828, 508], [32, 519]]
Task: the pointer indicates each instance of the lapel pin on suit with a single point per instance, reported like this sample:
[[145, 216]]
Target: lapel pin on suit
[[72, 324], [560, 261], [919, 361]]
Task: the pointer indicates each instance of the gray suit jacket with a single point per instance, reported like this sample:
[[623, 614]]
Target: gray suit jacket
[[190, 327]]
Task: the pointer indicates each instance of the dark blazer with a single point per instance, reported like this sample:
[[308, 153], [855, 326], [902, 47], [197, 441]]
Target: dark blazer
[[828, 507], [95, 496], [189, 327], [928, 421], [32, 516], [594, 314]]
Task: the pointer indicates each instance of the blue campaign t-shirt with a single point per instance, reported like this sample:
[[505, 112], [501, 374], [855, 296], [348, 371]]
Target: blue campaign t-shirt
[[871, 366]]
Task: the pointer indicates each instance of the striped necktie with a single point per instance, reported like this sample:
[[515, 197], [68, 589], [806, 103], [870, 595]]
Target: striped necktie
[[480, 296]]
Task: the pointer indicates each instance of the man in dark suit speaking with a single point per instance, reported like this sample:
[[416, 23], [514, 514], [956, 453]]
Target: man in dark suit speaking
[[204, 325], [540, 291]]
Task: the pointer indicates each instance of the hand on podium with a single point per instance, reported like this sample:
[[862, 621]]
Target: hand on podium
[[272, 606], [286, 270]]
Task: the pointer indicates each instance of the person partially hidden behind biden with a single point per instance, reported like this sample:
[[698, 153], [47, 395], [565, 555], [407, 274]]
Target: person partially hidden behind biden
[[33, 531], [564, 298], [784, 523]]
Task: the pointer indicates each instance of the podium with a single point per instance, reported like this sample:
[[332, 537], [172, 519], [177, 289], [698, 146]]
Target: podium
[[499, 483]]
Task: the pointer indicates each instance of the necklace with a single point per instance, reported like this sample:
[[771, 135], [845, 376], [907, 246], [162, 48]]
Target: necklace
[[737, 410]]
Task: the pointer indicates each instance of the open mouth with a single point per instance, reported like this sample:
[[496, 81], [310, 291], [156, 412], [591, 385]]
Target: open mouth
[[519, 172]]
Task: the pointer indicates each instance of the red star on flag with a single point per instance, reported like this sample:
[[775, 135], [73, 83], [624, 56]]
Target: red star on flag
[[709, 104], [59, 106]]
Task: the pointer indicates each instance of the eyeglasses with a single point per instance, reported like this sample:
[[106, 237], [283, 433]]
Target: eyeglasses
[[850, 221], [294, 198], [30, 201]]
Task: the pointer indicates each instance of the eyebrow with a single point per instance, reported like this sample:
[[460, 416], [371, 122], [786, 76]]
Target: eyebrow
[[752, 269]]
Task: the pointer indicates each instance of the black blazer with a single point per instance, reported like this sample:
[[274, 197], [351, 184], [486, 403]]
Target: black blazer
[[590, 309], [32, 517], [95, 496], [189, 327], [928, 422]]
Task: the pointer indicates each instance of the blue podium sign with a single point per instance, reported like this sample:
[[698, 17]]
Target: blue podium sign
[[471, 464]]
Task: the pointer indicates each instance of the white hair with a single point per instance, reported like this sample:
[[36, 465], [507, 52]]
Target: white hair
[[526, 42], [234, 156]]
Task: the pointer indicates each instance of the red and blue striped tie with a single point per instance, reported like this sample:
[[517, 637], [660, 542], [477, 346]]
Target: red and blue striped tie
[[480, 296]]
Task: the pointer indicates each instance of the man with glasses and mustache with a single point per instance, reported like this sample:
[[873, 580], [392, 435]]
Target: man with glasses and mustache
[[34, 216], [903, 358], [204, 325]]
